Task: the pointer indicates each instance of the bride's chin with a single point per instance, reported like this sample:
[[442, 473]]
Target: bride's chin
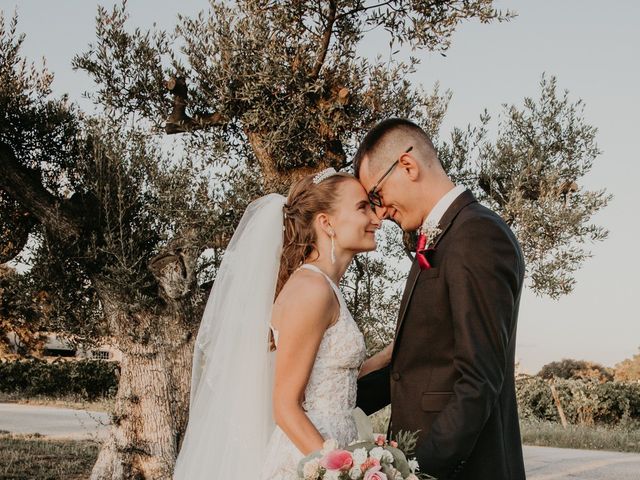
[[367, 246]]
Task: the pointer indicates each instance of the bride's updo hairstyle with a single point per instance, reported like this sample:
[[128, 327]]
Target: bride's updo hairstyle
[[306, 199]]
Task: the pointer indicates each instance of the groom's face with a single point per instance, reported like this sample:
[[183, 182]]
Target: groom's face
[[394, 191]]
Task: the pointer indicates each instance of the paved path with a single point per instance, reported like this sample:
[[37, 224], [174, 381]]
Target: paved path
[[542, 463], [53, 421]]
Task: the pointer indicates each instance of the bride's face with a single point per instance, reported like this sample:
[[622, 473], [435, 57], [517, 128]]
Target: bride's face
[[353, 221]]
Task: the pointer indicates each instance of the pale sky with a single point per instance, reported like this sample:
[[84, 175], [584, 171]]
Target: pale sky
[[591, 46]]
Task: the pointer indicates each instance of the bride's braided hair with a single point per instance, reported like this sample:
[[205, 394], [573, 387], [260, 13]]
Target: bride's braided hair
[[305, 200]]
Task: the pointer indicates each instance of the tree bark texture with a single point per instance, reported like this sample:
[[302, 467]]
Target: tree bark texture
[[152, 402]]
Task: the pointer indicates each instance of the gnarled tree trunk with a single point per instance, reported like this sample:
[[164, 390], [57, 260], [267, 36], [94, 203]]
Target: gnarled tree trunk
[[152, 401]]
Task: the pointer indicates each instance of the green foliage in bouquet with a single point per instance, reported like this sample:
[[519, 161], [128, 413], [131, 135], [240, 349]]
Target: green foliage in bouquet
[[407, 441]]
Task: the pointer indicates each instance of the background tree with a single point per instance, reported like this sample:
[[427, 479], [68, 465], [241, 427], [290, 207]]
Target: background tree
[[20, 319], [628, 370], [127, 226], [568, 369]]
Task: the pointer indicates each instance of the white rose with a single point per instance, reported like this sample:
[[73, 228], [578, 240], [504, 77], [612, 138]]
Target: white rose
[[413, 465], [311, 469], [377, 453], [355, 473], [359, 456], [332, 475], [329, 445]]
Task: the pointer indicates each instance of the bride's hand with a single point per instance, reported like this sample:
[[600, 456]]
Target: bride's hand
[[377, 361], [386, 353]]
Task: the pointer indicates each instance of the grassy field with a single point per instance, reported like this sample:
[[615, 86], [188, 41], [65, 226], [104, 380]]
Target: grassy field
[[29, 457], [548, 434], [621, 438]]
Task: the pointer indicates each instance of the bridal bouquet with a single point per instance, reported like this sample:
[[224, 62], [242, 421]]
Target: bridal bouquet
[[377, 460]]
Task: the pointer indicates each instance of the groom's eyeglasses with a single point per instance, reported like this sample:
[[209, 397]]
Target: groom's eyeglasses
[[374, 197]]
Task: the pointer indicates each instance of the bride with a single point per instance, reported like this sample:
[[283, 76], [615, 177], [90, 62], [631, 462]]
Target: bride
[[272, 380]]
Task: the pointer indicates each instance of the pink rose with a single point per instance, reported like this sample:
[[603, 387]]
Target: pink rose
[[393, 443], [374, 474], [337, 460], [370, 463], [380, 439]]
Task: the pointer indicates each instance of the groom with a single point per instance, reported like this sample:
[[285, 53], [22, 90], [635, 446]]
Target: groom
[[452, 369]]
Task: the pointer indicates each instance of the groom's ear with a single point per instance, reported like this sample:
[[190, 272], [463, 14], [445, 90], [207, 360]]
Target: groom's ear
[[410, 166]]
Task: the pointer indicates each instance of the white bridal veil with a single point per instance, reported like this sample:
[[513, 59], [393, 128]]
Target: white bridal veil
[[230, 416]]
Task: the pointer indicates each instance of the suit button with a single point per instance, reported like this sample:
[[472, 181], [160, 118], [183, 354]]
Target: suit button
[[395, 376]]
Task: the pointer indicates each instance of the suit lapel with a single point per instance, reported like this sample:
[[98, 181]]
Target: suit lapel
[[449, 216], [408, 291]]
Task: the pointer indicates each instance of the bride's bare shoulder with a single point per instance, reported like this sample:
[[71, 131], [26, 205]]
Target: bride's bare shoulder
[[305, 292], [305, 285]]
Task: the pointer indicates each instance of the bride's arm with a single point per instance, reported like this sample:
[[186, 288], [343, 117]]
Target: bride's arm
[[377, 361], [301, 316]]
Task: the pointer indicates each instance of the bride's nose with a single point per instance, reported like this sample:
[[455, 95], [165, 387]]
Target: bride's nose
[[381, 212], [377, 222]]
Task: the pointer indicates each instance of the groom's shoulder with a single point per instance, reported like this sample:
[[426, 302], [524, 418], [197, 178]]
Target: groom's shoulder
[[477, 221], [484, 213], [477, 213]]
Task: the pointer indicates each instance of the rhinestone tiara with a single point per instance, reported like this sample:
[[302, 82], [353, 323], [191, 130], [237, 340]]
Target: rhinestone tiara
[[324, 174]]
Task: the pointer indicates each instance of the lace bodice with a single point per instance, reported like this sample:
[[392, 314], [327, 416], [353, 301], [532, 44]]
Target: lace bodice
[[332, 384], [330, 395]]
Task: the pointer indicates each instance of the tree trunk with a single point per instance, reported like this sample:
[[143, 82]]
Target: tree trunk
[[152, 402], [273, 178]]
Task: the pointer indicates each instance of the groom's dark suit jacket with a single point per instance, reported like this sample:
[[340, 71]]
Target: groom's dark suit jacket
[[452, 370]]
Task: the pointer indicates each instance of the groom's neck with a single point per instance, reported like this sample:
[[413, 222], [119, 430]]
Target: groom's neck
[[433, 191]]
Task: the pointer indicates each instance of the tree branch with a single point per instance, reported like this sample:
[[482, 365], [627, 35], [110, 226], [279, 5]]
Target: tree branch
[[174, 267], [15, 227], [326, 40], [25, 187], [364, 9], [178, 121]]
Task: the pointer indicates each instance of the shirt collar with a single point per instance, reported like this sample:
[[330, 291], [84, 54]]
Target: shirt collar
[[436, 213]]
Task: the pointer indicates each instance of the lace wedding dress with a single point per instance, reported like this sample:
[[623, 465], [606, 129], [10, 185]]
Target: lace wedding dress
[[330, 396]]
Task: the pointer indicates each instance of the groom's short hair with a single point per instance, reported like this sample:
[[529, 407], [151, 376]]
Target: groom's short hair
[[389, 138]]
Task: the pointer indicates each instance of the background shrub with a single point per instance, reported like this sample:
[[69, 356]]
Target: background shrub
[[85, 379], [585, 402]]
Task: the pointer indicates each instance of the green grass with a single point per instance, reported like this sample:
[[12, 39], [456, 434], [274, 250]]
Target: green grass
[[100, 405], [622, 438], [32, 457]]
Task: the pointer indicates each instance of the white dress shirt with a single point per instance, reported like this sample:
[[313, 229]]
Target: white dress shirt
[[436, 213]]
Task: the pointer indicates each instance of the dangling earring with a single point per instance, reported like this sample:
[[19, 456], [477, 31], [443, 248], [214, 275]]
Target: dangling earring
[[333, 247]]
